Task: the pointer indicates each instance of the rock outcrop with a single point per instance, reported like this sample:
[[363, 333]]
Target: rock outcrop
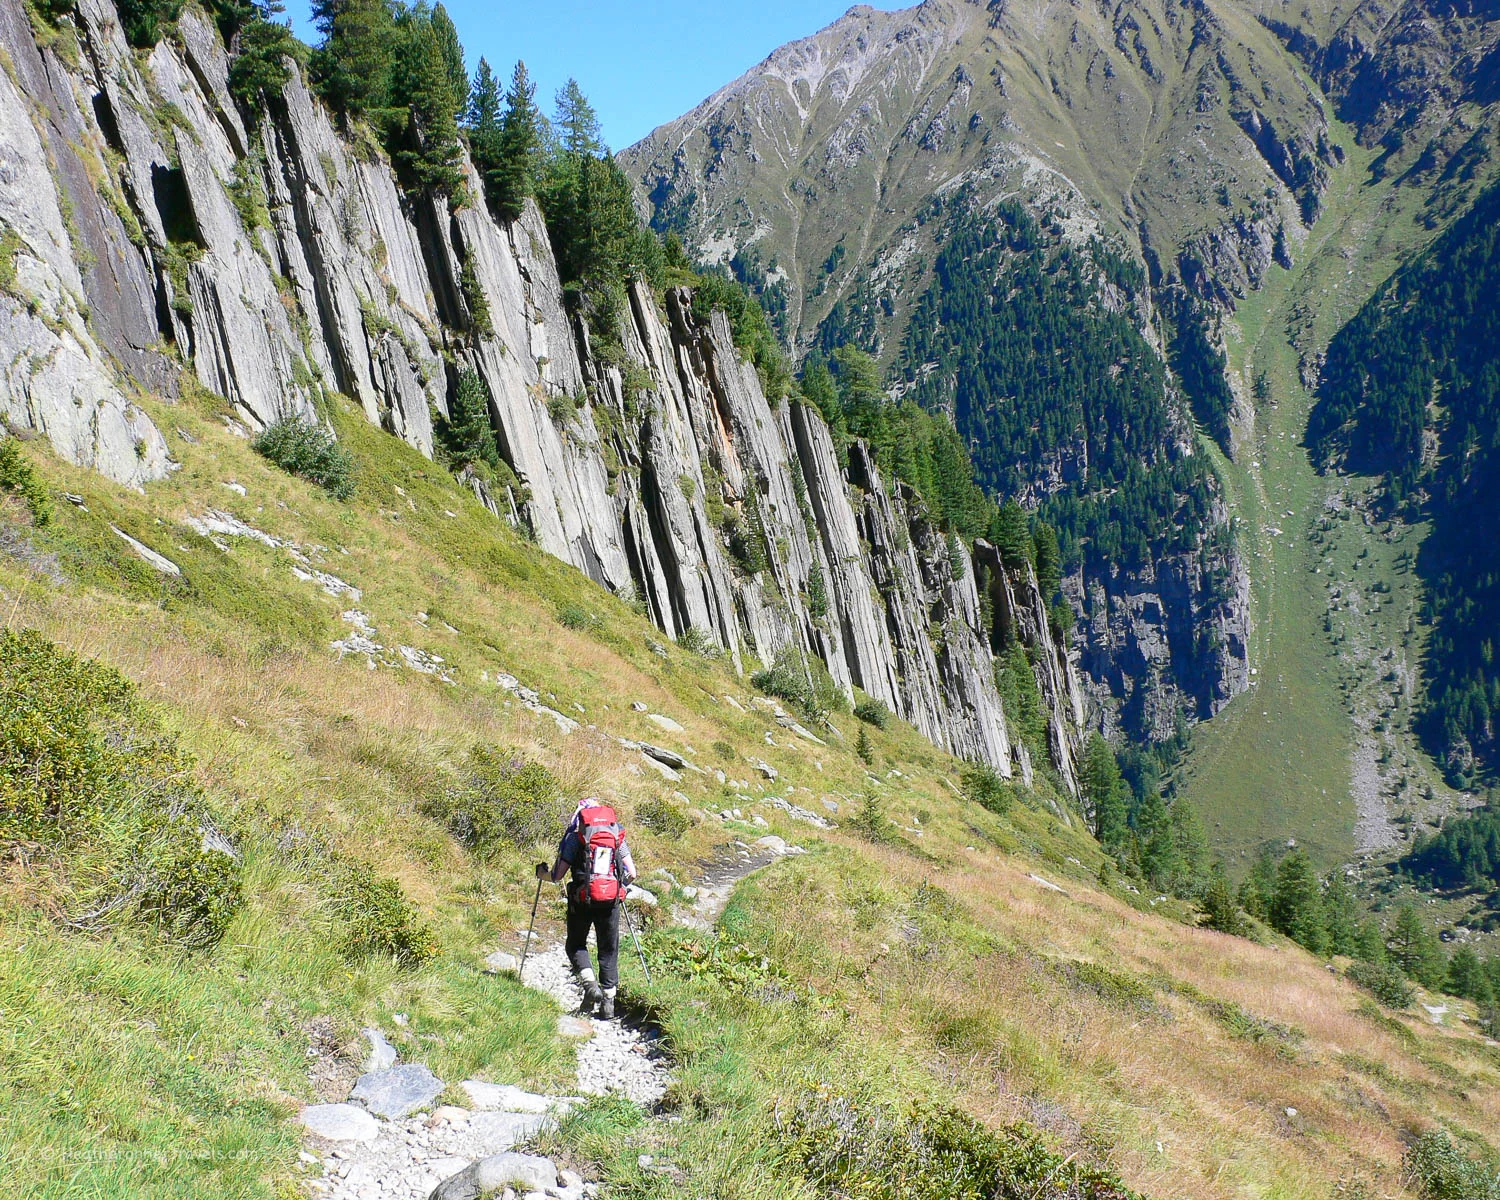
[[152, 227]]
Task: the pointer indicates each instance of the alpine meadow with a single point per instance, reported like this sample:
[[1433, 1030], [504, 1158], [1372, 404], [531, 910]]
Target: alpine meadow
[[925, 632]]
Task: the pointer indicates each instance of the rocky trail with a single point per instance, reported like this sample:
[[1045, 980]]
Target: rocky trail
[[390, 1140]]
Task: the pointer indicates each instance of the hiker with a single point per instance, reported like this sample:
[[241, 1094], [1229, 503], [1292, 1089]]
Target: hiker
[[594, 849]]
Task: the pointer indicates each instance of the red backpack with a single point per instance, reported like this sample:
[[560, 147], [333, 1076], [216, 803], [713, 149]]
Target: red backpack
[[600, 834]]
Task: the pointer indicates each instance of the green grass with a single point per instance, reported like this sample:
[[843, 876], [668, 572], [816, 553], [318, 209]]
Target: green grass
[[1277, 762]]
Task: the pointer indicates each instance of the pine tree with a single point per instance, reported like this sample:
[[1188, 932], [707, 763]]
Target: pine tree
[[445, 38], [1466, 976], [429, 150], [1340, 914], [352, 66], [577, 123], [482, 118], [1157, 852], [513, 177], [1048, 560], [1105, 792], [1296, 904], [1414, 949], [1259, 887], [862, 746], [467, 438], [262, 47], [1369, 942], [1219, 908], [1012, 536]]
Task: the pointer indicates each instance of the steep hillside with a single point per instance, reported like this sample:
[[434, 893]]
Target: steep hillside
[[1026, 185], [925, 948], [1181, 138], [346, 543], [1410, 392], [283, 264]]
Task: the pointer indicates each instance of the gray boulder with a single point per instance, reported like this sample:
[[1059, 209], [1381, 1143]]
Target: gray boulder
[[340, 1123], [523, 1172], [397, 1092]]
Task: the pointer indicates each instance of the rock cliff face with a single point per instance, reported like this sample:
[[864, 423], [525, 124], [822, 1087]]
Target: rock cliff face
[[151, 229]]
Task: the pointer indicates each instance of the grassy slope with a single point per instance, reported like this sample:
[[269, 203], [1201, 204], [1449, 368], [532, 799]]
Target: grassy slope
[[1279, 760], [934, 964]]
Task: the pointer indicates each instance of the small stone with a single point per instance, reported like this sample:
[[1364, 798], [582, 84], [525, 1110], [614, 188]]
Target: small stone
[[397, 1092], [641, 896], [158, 562], [832, 806], [502, 1097], [644, 1161], [382, 1056], [772, 843], [690, 893], [574, 1027], [1291, 1112], [448, 1114], [637, 706], [340, 1123], [666, 723], [500, 963], [499, 1171]]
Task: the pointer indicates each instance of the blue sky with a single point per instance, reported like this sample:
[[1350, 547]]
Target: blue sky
[[642, 63]]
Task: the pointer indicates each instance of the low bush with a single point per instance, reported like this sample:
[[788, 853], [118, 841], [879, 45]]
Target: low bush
[[660, 815], [870, 821], [983, 785], [310, 451], [573, 616], [502, 800], [700, 642], [17, 476], [802, 682], [1436, 1169], [847, 1145], [378, 919], [87, 774], [873, 712], [1383, 981]]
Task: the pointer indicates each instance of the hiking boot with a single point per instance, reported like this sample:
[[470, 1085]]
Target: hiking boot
[[593, 996], [607, 1008]]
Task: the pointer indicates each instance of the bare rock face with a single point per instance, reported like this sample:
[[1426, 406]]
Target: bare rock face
[[259, 251]]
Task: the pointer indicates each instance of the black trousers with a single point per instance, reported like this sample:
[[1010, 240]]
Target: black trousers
[[604, 920]]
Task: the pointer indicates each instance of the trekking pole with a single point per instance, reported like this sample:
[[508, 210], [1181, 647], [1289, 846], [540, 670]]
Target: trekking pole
[[631, 926], [526, 949]]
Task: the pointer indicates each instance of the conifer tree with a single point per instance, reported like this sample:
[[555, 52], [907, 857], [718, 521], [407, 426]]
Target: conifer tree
[[1012, 536], [862, 746], [482, 119], [429, 150], [1259, 887], [1048, 559], [1466, 976], [1219, 908], [1105, 791], [467, 438], [1297, 904], [445, 38], [1414, 949], [1340, 915], [577, 124], [262, 47], [352, 66], [513, 177]]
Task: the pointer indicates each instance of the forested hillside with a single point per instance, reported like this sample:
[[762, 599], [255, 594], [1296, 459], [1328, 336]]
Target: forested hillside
[[1063, 402], [1411, 390]]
